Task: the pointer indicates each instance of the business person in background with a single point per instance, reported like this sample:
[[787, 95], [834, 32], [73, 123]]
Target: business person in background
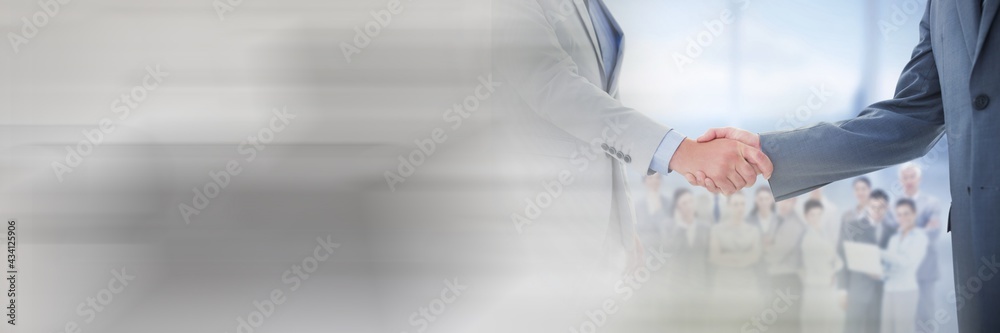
[[653, 212], [831, 217], [903, 255], [820, 265], [863, 292], [950, 85], [763, 218], [782, 263], [862, 188], [686, 241], [926, 210], [559, 63], [734, 249]]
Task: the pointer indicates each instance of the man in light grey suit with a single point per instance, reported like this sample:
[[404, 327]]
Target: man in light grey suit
[[559, 62], [950, 86], [566, 142]]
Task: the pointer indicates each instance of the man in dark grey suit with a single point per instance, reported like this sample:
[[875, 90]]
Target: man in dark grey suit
[[951, 85], [864, 292]]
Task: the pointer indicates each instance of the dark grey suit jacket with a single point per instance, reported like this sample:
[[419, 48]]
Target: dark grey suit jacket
[[951, 85]]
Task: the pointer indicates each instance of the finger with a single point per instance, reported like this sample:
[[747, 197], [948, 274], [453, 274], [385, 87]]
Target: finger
[[701, 177], [748, 173], [691, 179], [713, 134], [745, 137], [759, 160], [727, 186], [710, 186], [738, 182]]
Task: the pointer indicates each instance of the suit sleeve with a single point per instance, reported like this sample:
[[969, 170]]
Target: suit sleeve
[[528, 56], [884, 134]]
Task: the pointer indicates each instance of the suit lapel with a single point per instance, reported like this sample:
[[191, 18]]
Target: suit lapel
[[581, 10], [968, 15], [989, 13], [613, 80]]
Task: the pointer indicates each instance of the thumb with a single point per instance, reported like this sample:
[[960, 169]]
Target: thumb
[[714, 133], [759, 160]]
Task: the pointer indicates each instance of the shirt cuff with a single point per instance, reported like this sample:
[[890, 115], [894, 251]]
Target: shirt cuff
[[665, 151]]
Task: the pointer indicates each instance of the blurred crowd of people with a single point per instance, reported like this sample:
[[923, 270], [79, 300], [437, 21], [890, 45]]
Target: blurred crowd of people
[[781, 267]]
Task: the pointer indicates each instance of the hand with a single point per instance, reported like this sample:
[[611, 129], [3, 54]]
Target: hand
[[726, 165], [732, 133], [700, 178]]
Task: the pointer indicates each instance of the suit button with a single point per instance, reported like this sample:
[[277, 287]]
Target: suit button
[[628, 159], [612, 151], [621, 156], [981, 102], [604, 146]]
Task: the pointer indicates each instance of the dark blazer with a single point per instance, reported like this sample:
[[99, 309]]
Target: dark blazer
[[688, 262], [861, 287], [950, 86]]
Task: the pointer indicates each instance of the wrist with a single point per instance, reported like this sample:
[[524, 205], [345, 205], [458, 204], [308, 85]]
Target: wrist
[[681, 157]]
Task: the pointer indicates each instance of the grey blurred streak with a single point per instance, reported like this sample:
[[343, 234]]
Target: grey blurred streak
[[321, 176]]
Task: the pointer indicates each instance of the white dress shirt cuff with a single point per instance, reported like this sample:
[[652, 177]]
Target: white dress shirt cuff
[[665, 151]]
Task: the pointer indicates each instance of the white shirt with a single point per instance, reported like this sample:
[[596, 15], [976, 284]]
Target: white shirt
[[903, 256]]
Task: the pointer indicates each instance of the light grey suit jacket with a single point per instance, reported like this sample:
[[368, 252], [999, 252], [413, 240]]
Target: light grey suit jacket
[[950, 86], [563, 114]]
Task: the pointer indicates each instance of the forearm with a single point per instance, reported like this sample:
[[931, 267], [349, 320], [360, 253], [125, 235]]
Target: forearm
[[886, 133]]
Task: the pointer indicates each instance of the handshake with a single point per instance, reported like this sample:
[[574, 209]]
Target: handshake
[[723, 160]]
